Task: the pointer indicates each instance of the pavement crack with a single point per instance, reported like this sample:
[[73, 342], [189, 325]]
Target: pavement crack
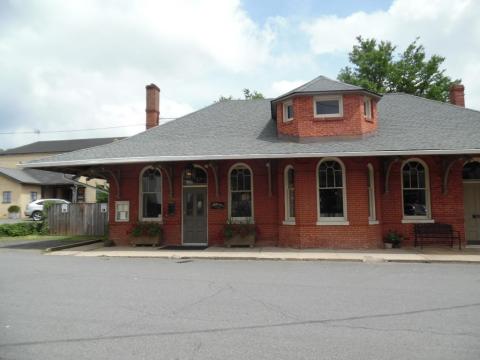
[[241, 328]]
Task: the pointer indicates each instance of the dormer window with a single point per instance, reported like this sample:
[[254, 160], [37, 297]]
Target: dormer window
[[287, 111], [367, 108], [328, 106]]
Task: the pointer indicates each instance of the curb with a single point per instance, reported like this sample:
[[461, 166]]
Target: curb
[[68, 246]]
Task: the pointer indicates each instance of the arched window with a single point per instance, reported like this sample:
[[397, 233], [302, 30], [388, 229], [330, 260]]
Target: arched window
[[151, 194], [331, 190], [471, 171], [372, 216], [241, 193], [289, 183], [415, 190]]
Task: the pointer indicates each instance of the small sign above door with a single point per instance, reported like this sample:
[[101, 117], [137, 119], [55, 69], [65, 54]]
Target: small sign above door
[[217, 205]]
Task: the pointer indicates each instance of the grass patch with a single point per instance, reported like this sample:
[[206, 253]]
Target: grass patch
[[72, 238]]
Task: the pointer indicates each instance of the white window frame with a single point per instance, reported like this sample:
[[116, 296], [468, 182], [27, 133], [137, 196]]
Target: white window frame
[[116, 211], [332, 220], [240, 219], [367, 110], [7, 199], [286, 104], [407, 219], [372, 211], [288, 219], [140, 196], [327, 98]]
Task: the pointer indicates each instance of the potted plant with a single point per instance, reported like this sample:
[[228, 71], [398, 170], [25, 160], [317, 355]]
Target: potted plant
[[237, 234], [393, 239], [13, 212], [146, 233]]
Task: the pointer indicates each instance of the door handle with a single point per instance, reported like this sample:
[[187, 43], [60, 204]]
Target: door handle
[[476, 216]]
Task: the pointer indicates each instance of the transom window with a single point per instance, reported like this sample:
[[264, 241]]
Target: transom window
[[331, 190], [415, 190], [241, 204], [287, 111], [328, 106], [471, 171], [194, 176], [289, 194], [367, 108], [151, 194]]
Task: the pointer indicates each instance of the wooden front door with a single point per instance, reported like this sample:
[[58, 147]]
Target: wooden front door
[[195, 216], [471, 193]]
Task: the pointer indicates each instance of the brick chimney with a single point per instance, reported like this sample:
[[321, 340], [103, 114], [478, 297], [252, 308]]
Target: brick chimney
[[457, 96], [153, 106]]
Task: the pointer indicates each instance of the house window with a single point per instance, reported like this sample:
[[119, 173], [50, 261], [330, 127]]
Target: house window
[[328, 106], [367, 108], [7, 197], [151, 194], [33, 196], [331, 191], [122, 211], [241, 193], [372, 217], [287, 111], [289, 194], [416, 196], [81, 194]]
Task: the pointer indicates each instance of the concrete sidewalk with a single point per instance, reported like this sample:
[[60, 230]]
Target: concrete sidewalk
[[273, 253]]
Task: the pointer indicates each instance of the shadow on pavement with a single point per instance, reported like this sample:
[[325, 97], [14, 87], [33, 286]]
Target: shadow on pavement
[[36, 245]]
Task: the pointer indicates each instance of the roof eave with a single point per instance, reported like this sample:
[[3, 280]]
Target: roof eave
[[333, 92], [149, 159]]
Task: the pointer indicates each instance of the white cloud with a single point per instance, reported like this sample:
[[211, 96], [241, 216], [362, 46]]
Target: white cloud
[[70, 65], [448, 28], [283, 86]]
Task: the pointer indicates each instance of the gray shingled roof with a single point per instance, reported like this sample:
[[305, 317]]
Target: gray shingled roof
[[322, 84], [239, 129], [59, 146], [37, 177]]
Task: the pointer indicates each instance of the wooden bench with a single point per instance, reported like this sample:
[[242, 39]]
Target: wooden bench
[[436, 234]]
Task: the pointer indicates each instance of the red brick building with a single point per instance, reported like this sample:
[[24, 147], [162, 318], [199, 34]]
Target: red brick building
[[326, 165]]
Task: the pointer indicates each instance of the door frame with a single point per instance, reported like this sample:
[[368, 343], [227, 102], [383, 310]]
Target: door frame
[[206, 205], [470, 181]]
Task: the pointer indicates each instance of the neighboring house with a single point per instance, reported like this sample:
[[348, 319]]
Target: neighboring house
[[20, 186], [325, 165]]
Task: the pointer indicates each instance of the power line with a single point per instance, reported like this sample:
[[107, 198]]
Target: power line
[[38, 131]]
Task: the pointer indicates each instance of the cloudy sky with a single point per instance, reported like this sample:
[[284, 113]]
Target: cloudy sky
[[71, 65]]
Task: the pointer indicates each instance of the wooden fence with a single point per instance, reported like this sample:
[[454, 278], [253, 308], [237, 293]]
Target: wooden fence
[[78, 219]]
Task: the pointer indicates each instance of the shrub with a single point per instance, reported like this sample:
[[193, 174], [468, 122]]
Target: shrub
[[24, 229], [146, 229], [13, 209]]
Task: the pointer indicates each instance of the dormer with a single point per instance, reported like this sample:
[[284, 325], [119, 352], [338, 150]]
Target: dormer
[[325, 107]]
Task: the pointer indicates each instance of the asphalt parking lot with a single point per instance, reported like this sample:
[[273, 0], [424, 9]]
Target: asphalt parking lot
[[56, 307]]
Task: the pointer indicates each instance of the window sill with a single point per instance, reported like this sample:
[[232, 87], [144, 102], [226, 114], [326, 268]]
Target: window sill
[[288, 121], [158, 220], [333, 222], [373, 222], [330, 117], [418, 221], [248, 221], [288, 222]]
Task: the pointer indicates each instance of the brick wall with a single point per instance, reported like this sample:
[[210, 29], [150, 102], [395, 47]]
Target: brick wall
[[304, 124], [269, 210]]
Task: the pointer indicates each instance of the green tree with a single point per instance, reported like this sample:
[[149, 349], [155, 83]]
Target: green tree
[[376, 68], [101, 194], [249, 95]]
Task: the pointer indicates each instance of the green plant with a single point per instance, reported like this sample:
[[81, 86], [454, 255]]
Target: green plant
[[13, 209], [23, 229], [146, 229], [231, 229], [394, 238]]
